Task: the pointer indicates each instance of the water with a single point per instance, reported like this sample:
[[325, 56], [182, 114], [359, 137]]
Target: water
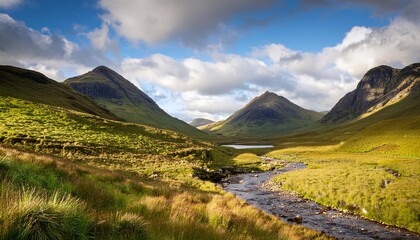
[[286, 206], [240, 146]]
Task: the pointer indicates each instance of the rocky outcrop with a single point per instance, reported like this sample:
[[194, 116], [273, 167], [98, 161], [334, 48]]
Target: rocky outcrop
[[379, 87]]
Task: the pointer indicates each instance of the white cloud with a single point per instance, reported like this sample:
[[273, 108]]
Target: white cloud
[[215, 88], [190, 21], [396, 45], [9, 3], [53, 55], [313, 80], [100, 39], [221, 76], [50, 72]]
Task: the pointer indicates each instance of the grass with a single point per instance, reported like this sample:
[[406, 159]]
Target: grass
[[87, 202], [121, 181], [98, 142], [369, 166], [373, 175]]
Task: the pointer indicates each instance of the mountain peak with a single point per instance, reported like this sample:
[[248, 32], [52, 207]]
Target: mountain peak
[[103, 69], [265, 115], [268, 94], [379, 87], [124, 99], [198, 122]]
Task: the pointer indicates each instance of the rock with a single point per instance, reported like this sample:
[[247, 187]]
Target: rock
[[385, 183], [296, 219]]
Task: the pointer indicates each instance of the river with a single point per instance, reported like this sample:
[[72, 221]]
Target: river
[[292, 208]]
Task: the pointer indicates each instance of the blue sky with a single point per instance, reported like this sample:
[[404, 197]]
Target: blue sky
[[207, 58]]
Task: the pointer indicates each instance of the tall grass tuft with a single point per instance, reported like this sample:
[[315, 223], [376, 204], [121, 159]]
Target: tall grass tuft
[[121, 225], [35, 215]]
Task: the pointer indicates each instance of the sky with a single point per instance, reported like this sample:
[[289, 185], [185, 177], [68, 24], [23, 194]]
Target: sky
[[208, 58]]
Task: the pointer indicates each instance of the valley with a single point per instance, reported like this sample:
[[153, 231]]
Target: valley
[[111, 164]]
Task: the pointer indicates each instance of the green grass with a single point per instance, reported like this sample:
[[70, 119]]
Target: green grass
[[349, 163], [123, 181], [86, 202], [354, 182], [98, 142], [143, 114]]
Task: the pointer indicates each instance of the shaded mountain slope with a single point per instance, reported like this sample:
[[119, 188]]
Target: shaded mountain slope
[[268, 114], [198, 122], [379, 87], [36, 87], [115, 93]]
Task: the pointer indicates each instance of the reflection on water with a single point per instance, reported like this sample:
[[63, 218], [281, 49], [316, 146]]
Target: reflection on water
[[240, 146]]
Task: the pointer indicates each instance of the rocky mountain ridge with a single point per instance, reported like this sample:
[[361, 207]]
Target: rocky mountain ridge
[[379, 87]]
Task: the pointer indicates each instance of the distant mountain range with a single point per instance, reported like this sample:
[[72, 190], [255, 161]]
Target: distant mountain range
[[198, 122], [268, 114], [115, 93], [379, 87], [105, 93]]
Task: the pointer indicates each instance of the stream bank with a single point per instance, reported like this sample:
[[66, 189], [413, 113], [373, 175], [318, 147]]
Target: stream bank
[[290, 207]]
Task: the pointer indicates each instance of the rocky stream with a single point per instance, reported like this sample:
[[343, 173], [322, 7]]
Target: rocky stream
[[292, 208]]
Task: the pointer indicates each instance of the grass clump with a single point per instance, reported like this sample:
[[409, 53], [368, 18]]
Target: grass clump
[[36, 215], [355, 182], [139, 208]]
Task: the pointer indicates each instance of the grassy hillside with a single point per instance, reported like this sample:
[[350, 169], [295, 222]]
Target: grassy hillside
[[115, 93], [33, 86], [266, 115], [370, 166], [66, 174]]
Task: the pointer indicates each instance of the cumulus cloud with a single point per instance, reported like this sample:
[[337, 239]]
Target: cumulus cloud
[[53, 54], [190, 21], [315, 81], [101, 40], [223, 75], [9, 3]]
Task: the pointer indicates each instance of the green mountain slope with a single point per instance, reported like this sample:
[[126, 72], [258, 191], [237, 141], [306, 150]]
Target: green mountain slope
[[124, 99], [393, 130], [266, 115], [198, 122], [34, 86], [379, 87]]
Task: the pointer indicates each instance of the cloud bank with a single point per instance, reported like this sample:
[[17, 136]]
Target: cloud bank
[[313, 80], [39, 50], [190, 21]]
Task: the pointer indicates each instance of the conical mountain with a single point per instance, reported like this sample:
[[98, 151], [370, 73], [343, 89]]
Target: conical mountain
[[115, 93], [34, 86], [268, 114], [379, 87]]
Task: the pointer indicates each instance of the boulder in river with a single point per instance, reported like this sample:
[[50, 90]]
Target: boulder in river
[[296, 219]]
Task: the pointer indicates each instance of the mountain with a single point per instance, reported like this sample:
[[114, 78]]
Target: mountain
[[198, 122], [379, 87], [268, 114], [115, 93], [33, 86]]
